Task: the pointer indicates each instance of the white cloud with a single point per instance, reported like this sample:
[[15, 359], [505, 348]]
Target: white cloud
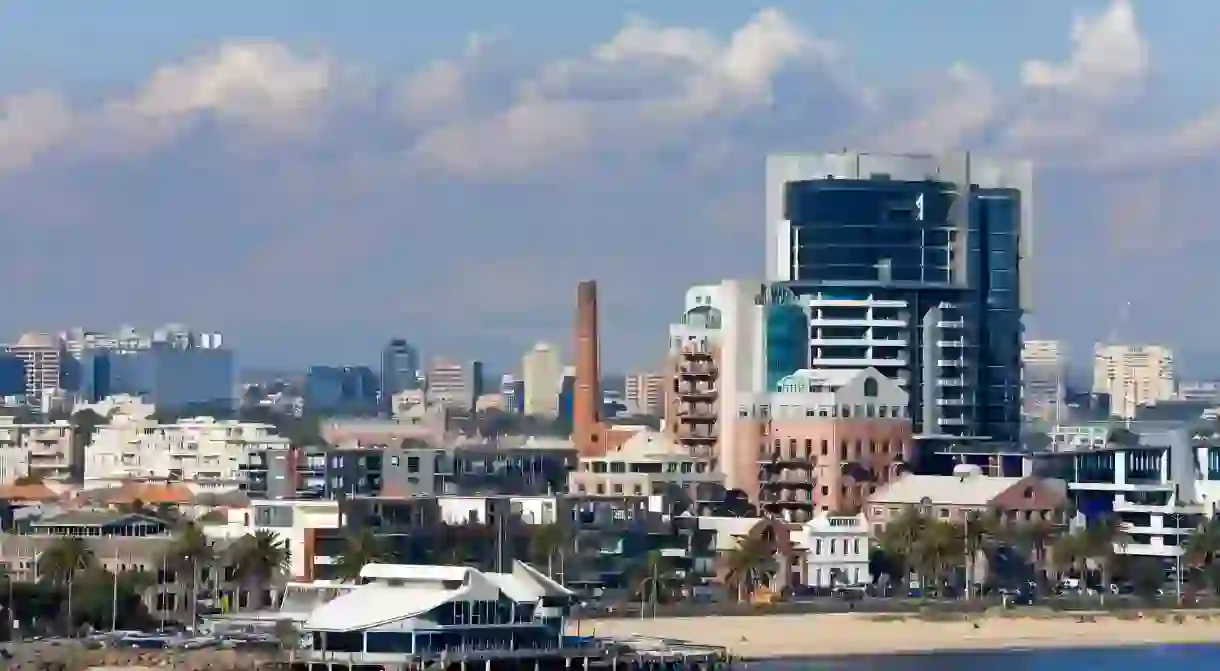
[[31, 123], [963, 104], [1109, 58]]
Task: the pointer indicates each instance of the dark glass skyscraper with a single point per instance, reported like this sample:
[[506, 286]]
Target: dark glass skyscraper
[[911, 265], [400, 367]]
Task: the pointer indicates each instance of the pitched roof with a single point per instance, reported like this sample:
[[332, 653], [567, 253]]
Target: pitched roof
[[93, 518], [35, 491], [949, 490], [151, 493]]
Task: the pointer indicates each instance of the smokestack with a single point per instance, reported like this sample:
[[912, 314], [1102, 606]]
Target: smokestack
[[586, 397]]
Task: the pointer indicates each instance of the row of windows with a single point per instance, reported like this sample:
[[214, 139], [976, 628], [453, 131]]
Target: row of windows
[[844, 546], [847, 449], [645, 467], [866, 411]]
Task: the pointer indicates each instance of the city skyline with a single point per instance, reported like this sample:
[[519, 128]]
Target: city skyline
[[333, 185]]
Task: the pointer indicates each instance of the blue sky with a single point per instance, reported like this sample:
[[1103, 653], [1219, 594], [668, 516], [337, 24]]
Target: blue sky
[[314, 177]]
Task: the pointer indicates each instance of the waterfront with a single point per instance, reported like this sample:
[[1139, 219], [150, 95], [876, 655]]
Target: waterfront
[[1200, 656]]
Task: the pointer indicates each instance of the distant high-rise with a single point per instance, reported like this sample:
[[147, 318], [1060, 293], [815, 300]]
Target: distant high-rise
[[453, 384], [1042, 379], [541, 369], [1132, 376], [645, 393], [41, 354], [587, 431], [399, 369], [341, 390]]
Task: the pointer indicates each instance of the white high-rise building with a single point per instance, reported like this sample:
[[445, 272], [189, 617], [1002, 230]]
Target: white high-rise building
[[645, 393], [542, 373], [1042, 390], [1132, 376]]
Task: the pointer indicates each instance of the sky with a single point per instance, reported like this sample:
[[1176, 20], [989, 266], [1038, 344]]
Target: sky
[[314, 177]]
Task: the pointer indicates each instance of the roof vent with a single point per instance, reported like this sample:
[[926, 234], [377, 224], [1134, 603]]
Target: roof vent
[[963, 471]]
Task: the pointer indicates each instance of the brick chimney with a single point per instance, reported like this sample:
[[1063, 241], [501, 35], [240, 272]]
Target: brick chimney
[[586, 397]]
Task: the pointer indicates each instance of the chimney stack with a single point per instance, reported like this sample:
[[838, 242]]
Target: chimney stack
[[586, 399]]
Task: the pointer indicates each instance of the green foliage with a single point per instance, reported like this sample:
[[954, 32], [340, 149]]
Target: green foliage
[[362, 548]]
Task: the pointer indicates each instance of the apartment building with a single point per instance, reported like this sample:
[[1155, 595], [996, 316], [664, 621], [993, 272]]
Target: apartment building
[[295, 522], [822, 443], [454, 384], [645, 393], [42, 354], [45, 451], [203, 452], [649, 463], [1133, 376], [1042, 387]]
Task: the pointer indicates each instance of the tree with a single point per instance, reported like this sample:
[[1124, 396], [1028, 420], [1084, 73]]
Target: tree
[[979, 533], [1036, 537], [84, 426], [1101, 537], [749, 565], [62, 561], [361, 549], [547, 540], [191, 550], [899, 538], [941, 546], [257, 560]]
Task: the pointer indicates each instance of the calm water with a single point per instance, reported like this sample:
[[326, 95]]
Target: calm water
[[1109, 659]]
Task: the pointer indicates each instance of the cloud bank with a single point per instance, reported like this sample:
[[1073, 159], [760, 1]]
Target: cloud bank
[[313, 207]]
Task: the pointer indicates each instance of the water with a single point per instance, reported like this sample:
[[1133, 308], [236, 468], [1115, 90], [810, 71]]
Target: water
[[1085, 659]]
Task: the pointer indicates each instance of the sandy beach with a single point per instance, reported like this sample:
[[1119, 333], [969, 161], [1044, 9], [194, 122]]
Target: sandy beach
[[854, 633]]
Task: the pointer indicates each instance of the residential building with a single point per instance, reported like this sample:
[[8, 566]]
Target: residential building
[[408, 405], [1132, 376], [1074, 437], [784, 565], [45, 451], [284, 473], [41, 356], [542, 371], [1042, 390], [400, 369], [836, 550], [294, 522], [823, 442], [1206, 391], [1160, 488], [650, 463], [645, 393], [533, 467], [715, 359], [912, 265], [955, 497], [204, 452], [341, 390], [455, 385], [412, 615]]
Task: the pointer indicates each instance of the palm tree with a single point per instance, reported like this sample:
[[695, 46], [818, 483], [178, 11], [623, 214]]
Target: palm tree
[[1202, 549], [1068, 553], [62, 562], [362, 548], [190, 550], [257, 560], [1036, 537], [546, 541], [749, 565], [1102, 542]]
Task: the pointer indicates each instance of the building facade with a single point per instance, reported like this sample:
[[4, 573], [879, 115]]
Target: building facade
[[1133, 376], [542, 372], [400, 368], [41, 355], [1042, 391], [44, 451], [911, 265], [341, 390], [203, 452], [650, 463], [454, 385], [836, 550], [645, 393]]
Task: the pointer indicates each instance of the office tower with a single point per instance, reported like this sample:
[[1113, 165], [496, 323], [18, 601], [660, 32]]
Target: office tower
[[911, 265], [541, 369], [514, 393], [645, 393], [566, 396], [587, 431], [12, 376], [41, 354], [341, 390], [1132, 376], [399, 369], [454, 385], [1042, 382]]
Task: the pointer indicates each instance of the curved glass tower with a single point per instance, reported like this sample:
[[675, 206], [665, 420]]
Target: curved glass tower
[[911, 265]]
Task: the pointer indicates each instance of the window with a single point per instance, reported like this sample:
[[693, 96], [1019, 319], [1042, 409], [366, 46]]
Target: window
[[808, 446], [855, 546], [825, 447], [870, 387], [832, 546], [412, 464], [394, 460], [817, 547]]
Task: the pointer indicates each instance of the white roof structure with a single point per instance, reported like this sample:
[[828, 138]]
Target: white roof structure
[[966, 489], [397, 593]]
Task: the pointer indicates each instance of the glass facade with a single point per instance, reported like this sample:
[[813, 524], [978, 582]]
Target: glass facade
[[400, 368], [167, 376], [12, 375], [787, 342], [341, 390], [952, 256]]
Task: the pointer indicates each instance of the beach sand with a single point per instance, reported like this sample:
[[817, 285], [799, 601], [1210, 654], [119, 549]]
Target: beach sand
[[765, 636]]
